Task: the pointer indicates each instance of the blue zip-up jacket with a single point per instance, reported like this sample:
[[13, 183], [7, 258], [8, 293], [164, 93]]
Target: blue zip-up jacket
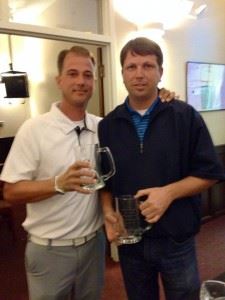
[[176, 144]]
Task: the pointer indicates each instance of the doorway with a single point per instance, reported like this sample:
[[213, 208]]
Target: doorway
[[38, 56]]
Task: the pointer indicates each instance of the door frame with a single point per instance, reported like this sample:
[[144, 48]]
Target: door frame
[[105, 41]]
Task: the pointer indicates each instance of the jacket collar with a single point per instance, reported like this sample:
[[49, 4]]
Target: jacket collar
[[122, 110]]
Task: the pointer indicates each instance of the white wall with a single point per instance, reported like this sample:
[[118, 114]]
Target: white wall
[[197, 40], [38, 58], [11, 111]]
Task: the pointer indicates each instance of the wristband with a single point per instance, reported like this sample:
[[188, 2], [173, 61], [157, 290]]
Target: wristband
[[57, 188]]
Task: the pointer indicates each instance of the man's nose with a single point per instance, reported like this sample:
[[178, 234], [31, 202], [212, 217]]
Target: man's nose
[[80, 79], [139, 72]]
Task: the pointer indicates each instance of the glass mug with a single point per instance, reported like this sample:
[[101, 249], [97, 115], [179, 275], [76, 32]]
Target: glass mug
[[131, 224], [95, 155], [212, 290]]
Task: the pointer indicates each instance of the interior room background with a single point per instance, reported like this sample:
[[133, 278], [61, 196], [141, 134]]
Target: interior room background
[[199, 40], [195, 40]]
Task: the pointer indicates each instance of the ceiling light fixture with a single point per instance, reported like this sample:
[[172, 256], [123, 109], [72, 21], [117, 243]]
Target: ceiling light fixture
[[147, 13]]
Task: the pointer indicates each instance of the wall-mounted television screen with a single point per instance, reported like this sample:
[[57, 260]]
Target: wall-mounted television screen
[[16, 84], [205, 85]]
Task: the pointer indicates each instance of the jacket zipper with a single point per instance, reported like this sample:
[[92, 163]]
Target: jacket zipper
[[141, 147]]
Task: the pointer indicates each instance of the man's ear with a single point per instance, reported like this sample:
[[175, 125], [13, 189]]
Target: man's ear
[[58, 80], [122, 74]]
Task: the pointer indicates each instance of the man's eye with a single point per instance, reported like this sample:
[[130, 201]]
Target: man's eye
[[130, 68], [148, 66], [72, 74], [88, 75]]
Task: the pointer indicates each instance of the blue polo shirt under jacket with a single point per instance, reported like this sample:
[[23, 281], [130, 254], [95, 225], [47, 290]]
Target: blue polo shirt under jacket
[[141, 121]]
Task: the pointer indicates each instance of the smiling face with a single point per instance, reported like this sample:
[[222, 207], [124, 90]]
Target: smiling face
[[141, 75], [76, 80]]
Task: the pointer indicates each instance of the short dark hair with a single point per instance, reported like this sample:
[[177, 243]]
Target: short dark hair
[[78, 50], [142, 46]]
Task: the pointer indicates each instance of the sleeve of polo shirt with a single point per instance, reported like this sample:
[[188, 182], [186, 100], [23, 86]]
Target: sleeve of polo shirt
[[205, 162], [22, 160]]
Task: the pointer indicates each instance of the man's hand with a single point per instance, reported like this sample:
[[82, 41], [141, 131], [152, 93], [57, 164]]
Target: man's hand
[[114, 226], [76, 175], [166, 95], [29, 191], [158, 199], [156, 203]]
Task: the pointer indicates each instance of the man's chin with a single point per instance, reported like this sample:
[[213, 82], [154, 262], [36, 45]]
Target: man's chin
[[82, 103], [78, 102], [140, 93]]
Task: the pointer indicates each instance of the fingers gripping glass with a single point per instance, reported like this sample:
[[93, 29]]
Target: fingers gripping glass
[[131, 224], [95, 155]]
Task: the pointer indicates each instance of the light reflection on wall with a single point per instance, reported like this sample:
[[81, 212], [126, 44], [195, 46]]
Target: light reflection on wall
[[30, 53], [171, 13]]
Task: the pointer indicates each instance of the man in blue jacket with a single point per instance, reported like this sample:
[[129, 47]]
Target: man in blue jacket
[[163, 152]]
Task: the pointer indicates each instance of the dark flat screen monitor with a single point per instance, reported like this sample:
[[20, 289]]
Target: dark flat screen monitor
[[16, 84]]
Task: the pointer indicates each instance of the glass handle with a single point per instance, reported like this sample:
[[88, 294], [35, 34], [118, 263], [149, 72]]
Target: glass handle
[[110, 159]]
